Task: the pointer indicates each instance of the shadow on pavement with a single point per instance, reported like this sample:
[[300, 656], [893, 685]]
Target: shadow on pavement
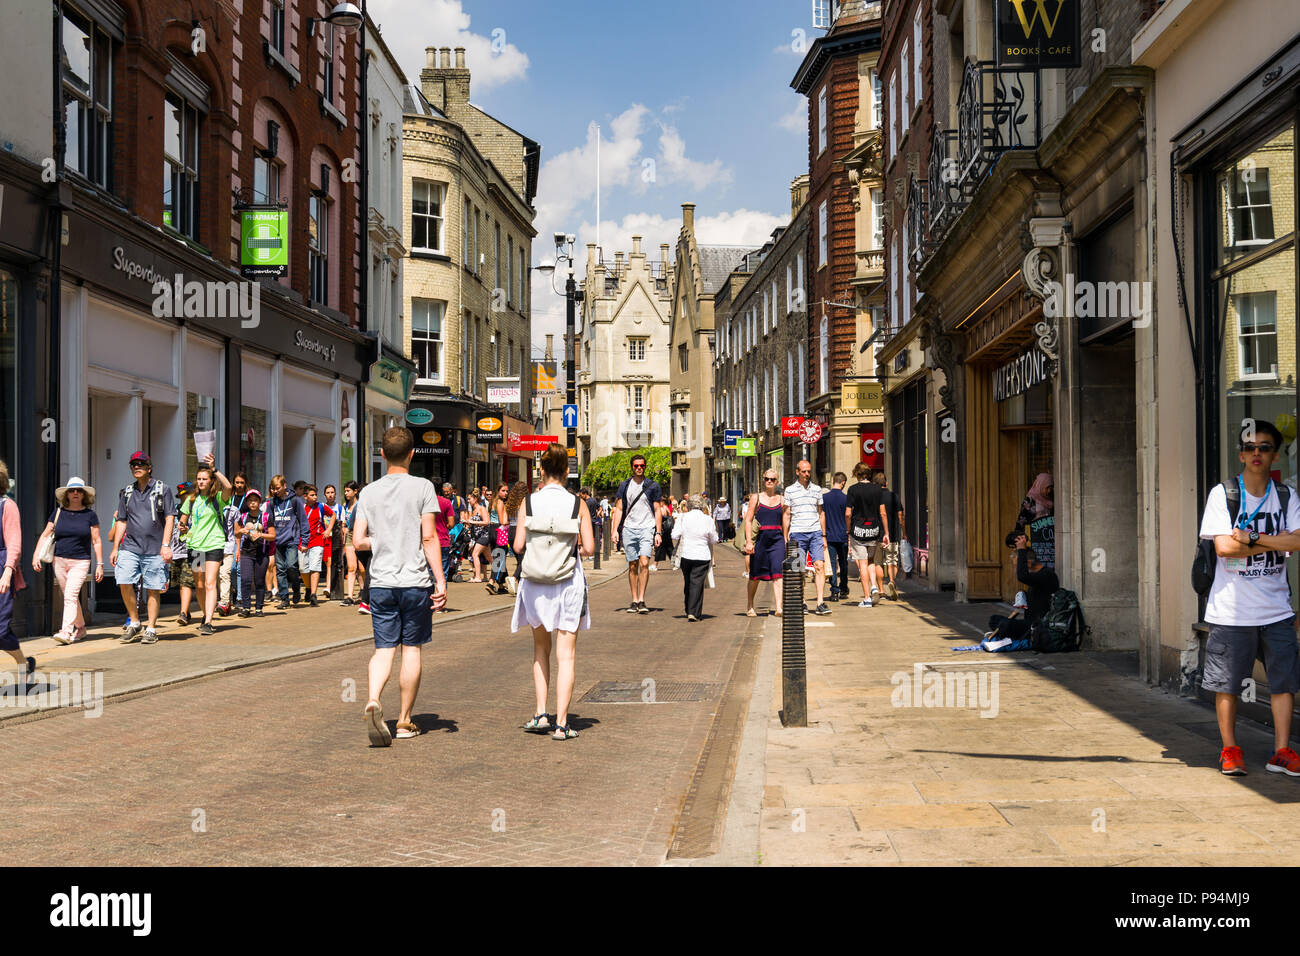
[[428, 723]]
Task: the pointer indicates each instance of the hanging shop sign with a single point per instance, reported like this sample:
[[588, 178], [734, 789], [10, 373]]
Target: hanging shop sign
[[730, 436], [531, 443], [790, 426], [810, 432], [745, 447], [1019, 375], [432, 441], [862, 396], [1038, 34], [489, 430], [872, 438], [418, 416], [546, 380], [263, 242], [504, 391]]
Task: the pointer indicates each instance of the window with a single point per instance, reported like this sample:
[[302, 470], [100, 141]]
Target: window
[[774, 315], [767, 390], [586, 410], [789, 383], [801, 363], [327, 67], [1257, 315], [876, 105], [88, 99], [426, 215], [789, 287], [767, 308], [478, 255], [426, 338], [916, 53], [893, 120], [1250, 220], [636, 350], [776, 396], [821, 121], [798, 279], [277, 25], [821, 234], [510, 268], [523, 274], [681, 357], [318, 220], [181, 166], [824, 347], [638, 408], [496, 257], [467, 256], [877, 219], [906, 96], [266, 179]]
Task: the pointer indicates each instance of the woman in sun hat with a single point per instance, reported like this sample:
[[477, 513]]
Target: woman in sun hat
[[75, 527]]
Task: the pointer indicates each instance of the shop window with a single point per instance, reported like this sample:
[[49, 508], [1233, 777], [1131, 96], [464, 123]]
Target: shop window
[[1257, 336], [426, 215], [181, 166], [88, 98], [202, 414], [252, 445], [426, 338]]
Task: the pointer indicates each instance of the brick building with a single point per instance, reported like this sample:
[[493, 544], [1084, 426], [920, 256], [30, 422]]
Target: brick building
[[835, 75]]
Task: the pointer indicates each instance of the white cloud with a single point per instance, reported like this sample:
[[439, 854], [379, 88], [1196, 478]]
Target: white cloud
[[490, 56], [678, 168], [796, 121]]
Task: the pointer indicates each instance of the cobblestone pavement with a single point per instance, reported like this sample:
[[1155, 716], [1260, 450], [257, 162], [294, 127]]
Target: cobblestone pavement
[[271, 765], [1077, 763]]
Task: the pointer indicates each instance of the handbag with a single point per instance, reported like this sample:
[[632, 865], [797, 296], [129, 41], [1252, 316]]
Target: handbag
[[905, 558], [711, 583], [503, 536], [46, 551]]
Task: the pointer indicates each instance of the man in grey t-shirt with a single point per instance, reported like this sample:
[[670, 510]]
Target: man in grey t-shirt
[[395, 522]]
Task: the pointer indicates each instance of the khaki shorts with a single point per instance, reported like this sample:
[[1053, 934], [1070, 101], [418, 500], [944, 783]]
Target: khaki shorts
[[862, 551], [887, 555]]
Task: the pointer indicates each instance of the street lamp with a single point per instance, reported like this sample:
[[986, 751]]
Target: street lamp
[[571, 298]]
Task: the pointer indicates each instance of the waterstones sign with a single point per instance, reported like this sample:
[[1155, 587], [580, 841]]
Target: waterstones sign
[[1019, 375]]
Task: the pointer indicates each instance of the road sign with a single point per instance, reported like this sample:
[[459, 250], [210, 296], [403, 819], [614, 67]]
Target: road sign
[[538, 443], [730, 436], [810, 432], [570, 416], [745, 446]]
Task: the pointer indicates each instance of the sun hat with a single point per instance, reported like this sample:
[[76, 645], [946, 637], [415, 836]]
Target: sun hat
[[88, 493]]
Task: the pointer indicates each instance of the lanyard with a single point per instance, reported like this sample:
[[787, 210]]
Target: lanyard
[[1242, 521]]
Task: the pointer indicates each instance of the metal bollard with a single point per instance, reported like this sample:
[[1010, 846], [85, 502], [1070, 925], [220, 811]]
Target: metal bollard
[[794, 662], [595, 557]]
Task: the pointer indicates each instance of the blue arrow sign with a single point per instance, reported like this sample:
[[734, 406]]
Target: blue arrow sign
[[570, 416]]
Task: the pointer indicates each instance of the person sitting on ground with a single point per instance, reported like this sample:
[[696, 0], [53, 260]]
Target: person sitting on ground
[[1040, 584]]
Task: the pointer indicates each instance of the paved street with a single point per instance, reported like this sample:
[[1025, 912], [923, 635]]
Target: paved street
[[274, 763]]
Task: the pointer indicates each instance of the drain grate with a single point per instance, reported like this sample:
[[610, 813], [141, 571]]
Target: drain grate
[[650, 691]]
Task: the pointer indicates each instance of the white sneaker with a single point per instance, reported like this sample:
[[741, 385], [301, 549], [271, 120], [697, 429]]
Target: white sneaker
[[866, 602], [653, 568], [511, 586]]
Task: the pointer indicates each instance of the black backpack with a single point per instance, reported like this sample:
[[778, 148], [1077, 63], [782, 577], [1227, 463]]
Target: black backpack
[[1206, 560], [1062, 627]]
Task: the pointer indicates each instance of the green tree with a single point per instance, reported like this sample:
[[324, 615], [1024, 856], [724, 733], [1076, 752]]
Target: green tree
[[605, 474]]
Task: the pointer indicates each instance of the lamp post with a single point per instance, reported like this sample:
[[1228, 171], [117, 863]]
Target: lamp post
[[571, 299]]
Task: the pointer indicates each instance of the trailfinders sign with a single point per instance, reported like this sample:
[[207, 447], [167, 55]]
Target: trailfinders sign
[[1038, 34], [1019, 375]]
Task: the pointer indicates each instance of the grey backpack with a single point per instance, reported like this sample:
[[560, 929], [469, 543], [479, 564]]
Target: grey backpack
[[550, 555]]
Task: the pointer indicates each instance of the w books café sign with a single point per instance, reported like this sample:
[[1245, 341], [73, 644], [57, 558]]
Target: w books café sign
[[1038, 34]]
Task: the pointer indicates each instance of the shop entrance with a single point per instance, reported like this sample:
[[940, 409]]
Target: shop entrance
[[1026, 450]]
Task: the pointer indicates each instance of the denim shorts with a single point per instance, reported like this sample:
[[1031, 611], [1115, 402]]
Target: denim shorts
[[313, 559], [401, 616], [809, 543], [638, 543], [148, 569], [1231, 652]]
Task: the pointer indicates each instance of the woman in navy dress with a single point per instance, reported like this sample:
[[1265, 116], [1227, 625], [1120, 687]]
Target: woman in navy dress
[[768, 549]]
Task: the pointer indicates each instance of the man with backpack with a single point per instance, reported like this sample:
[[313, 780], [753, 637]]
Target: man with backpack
[[142, 549], [292, 533], [1040, 584], [1253, 524], [868, 526], [639, 520]]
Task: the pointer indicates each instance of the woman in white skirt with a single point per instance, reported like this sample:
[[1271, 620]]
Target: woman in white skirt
[[554, 525]]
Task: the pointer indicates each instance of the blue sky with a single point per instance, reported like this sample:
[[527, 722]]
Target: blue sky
[[700, 89]]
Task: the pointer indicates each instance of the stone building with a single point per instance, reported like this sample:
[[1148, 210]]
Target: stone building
[[760, 373], [469, 185], [698, 273], [837, 77], [622, 353]]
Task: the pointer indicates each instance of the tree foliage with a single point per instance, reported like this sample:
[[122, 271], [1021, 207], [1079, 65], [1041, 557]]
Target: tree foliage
[[605, 474]]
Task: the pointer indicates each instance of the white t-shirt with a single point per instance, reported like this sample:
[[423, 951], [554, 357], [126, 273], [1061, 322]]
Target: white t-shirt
[[804, 504], [392, 507], [1253, 591], [640, 514]]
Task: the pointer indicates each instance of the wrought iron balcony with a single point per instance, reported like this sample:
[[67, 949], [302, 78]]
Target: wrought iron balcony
[[997, 111], [918, 217]]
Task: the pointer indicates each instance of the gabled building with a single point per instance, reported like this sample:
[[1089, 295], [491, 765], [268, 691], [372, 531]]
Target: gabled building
[[622, 360], [698, 274]]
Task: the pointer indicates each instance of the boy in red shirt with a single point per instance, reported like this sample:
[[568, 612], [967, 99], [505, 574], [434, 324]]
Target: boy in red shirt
[[320, 519]]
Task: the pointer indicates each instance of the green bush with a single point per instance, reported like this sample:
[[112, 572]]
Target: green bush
[[605, 474]]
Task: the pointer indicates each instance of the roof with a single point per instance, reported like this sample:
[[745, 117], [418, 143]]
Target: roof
[[413, 101], [717, 263]]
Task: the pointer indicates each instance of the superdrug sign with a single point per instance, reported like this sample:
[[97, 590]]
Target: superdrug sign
[[1019, 375]]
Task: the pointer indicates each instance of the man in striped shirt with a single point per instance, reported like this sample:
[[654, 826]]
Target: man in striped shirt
[[804, 522]]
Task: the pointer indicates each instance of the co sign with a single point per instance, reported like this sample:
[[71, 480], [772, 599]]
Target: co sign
[[873, 446]]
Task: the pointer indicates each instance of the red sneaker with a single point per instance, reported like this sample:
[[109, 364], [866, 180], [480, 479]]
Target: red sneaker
[[1285, 761], [1233, 762]]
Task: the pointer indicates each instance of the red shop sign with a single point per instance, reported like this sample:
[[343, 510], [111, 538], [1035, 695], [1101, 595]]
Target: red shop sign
[[872, 438]]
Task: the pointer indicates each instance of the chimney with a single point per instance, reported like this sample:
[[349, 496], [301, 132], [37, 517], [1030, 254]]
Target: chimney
[[431, 80], [688, 216], [550, 347], [798, 193], [618, 263], [444, 85], [591, 257], [460, 58], [636, 246]]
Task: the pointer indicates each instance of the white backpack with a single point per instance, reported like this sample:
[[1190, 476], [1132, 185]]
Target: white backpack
[[550, 555]]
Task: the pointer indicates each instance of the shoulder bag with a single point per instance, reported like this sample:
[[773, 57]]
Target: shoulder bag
[[46, 551]]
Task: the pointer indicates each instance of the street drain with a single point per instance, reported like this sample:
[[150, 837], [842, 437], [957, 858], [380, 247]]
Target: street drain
[[649, 691]]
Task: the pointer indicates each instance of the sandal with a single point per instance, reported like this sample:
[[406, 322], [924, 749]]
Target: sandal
[[406, 731], [563, 733], [751, 613], [541, 723]]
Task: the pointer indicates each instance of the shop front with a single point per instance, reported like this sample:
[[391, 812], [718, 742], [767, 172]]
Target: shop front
[[388, 390], [450, 441], [512, 466]]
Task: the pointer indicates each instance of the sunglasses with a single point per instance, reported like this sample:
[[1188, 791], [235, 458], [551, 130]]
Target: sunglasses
[[1262, 446], [769, 478]]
